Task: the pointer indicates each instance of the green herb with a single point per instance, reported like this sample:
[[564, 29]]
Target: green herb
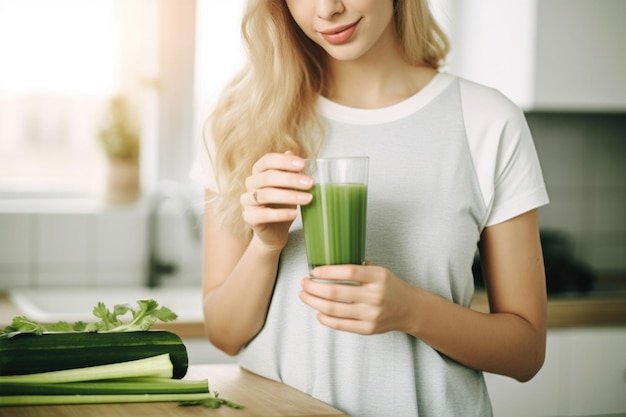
[[143, 317], [23, 325], [211, 402], [119, 134]]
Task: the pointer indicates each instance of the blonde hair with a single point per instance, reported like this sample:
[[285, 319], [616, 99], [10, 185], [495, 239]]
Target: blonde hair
[[269, 106]]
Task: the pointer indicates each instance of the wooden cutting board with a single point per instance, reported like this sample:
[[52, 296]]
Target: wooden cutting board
[[261, 397]]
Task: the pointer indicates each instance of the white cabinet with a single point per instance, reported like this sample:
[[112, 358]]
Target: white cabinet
[[65, 249], [597, 372], [544, 54], [201, 352], [15, 254], [584, 375], [121, 248]]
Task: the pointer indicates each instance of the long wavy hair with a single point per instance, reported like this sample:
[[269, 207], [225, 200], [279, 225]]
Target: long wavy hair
[[270, 105]]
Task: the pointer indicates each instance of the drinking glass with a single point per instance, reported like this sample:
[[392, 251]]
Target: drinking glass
[[334, 221]]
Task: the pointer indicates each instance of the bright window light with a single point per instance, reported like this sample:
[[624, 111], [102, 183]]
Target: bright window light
[[61, 61], [58, 46]]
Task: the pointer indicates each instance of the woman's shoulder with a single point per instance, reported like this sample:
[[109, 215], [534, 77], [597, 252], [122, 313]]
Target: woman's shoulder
[[487, 103]]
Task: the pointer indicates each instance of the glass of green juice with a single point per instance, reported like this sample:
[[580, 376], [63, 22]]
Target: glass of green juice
[[334, 221]]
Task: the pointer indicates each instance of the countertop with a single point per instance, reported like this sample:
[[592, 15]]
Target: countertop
[[259, 396], [263, 397], [570, 310], [576, 310]]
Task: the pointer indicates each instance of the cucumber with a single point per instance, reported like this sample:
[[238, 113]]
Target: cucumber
[[28, 353]]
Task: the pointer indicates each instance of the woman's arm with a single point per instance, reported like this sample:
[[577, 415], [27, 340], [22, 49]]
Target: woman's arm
[[238, 278], [239, 273], [510, 340]]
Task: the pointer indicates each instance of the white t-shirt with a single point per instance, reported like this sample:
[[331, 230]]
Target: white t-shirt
[[445, 163]]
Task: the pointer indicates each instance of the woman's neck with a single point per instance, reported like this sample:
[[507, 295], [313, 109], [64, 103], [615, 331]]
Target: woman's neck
[[379, 78], [370, 87]]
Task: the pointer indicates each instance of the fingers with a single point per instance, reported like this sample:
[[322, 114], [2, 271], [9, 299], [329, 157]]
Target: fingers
[[275, 197], [281, 161], [342, 289], [352, 273], [366, 308], [274, 189], [257, 216], [328, 290], [276, 180], [348, 316], [344, 310]]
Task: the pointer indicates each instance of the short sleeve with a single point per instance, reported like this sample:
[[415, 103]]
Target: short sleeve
[[519, 184], [504, 154]]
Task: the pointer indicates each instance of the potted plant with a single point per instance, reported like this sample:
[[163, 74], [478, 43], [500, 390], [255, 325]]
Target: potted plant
[[119, 137]]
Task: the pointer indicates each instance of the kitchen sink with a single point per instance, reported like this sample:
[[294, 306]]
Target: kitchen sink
[[73, 304]]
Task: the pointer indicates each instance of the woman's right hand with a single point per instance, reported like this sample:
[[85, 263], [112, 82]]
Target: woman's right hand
[[274, 190]]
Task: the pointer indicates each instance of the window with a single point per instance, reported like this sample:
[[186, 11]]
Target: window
[[219, 51], [61, 61]]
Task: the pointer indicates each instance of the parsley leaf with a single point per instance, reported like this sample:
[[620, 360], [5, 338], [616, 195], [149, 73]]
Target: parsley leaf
[[213, 402], [143, 317], [23, 324]]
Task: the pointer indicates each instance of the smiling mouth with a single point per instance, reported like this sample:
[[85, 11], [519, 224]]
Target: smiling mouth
[[339, 34]]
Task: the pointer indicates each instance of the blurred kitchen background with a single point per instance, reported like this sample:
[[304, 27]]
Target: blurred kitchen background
[[62, 62], [102, 105]]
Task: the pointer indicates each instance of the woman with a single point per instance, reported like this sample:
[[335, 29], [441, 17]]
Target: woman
[[452, 166]]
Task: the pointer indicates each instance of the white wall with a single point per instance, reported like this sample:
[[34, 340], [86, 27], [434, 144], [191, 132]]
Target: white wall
[[85, 244]]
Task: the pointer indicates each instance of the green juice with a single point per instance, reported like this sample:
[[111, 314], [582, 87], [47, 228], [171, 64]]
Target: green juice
[[334, 224]]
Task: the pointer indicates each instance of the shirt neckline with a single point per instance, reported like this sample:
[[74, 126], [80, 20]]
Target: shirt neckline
[[340, 113]]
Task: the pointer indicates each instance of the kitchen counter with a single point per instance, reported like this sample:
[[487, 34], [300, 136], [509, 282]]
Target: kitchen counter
[[184, 329], [259, 396], [593, 309], [576, 311]]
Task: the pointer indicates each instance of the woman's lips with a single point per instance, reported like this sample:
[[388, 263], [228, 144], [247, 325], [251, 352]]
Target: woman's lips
[[339, 35]]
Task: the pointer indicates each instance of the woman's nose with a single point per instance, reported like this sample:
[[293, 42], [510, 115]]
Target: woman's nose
[[326, 9]]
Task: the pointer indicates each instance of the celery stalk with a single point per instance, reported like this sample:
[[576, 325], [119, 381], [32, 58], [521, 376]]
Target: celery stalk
[[139, 381], [21, 400], [109, 387], [157, 366]]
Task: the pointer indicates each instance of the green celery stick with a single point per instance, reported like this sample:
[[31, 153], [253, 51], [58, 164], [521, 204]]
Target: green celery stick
[[25, 400], [157, 366], [108, 387]]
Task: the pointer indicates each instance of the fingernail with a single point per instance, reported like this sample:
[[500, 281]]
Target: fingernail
[[306, 181], [305, 197]]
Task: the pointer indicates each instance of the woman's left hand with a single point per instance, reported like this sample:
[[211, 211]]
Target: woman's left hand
[[379, 302]]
